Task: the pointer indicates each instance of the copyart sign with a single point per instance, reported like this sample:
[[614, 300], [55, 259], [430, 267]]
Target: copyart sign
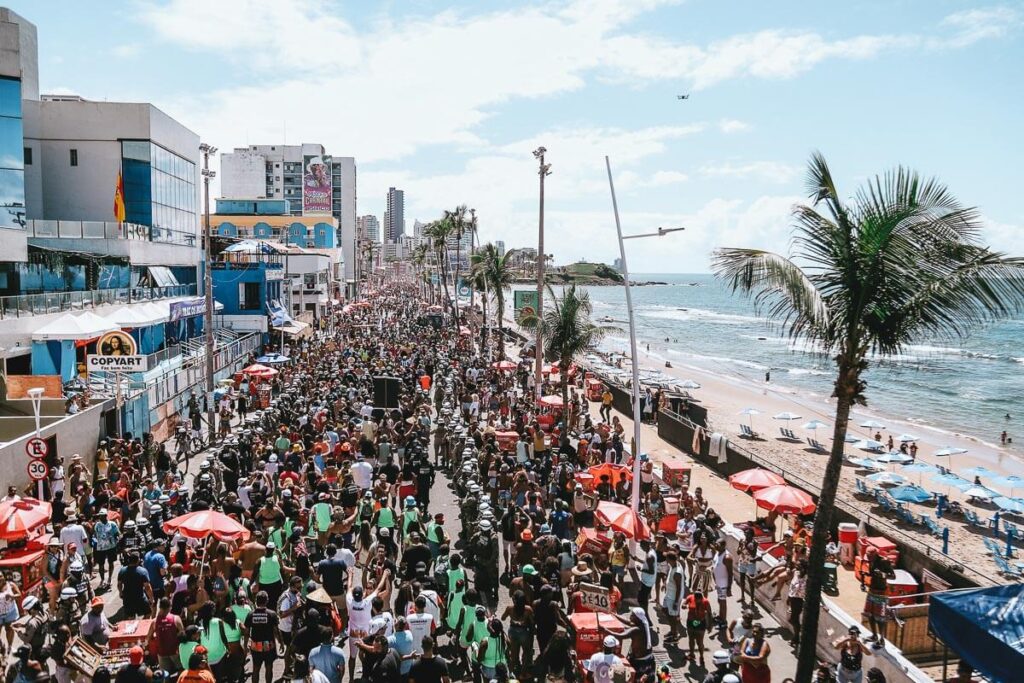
[[132, 363], [316, 186]]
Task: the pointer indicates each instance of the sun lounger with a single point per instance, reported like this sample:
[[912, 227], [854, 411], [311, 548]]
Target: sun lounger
[[907, 516], [992, 547], [972, 518], [816, 445], [934, 527], [862, 488], [1006, 568], [746, 431], [788, 434]]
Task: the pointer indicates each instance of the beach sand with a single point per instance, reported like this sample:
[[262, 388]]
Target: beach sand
[[726, 397]]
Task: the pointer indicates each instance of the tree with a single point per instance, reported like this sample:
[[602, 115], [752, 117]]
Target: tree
[[567, 331], [460, 226], [898, 263], [491, 271], [438, 233]]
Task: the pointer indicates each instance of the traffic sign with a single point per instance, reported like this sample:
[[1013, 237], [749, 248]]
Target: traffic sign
[[38, 470], [37, 448]]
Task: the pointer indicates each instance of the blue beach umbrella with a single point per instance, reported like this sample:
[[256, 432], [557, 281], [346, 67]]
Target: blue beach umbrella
[[1011, 482], [1009, 504], [920, 467], [868, 464], [890, 478], [978, 472], [949, 450], [951, 480], [273, 358], [869, 445], [910, 494]]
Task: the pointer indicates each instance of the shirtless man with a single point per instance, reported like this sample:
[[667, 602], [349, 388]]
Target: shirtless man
[[249, 554], [639, 635]]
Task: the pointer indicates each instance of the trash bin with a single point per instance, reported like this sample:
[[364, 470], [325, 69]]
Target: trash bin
[[847, 543]]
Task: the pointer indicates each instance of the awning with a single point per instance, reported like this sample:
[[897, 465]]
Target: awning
[[162, 276], [134, 316], [985, 626], [292, 327], [82, 327]]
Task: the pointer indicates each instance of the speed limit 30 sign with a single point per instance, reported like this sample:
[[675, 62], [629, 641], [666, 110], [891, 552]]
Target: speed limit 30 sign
[[38, 470]]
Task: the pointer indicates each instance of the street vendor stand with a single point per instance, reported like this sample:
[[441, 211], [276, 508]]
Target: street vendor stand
[[22, 525], [675, 472], [506, 440], [86, 659], [594, 388], [26, 566], [131, 632], [589, 640]]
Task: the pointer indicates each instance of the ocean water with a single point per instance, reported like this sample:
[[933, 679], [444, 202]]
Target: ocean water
[[966, 387]]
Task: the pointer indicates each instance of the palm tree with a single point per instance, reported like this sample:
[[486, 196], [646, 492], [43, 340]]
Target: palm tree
[[567, 332], [491, 271], [460, 225], [899, 262], [419, 262], [438, 232]]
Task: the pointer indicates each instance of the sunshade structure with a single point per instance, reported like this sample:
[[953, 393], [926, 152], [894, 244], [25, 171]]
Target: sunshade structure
[[895, 456], [1011, 482], [785, 499], [868, 464], [622, 518], [919, 467], [273, 358], [907, 438], [504, 365], [872, 424], [754, 479], [980, 492], [135, 316], [910, 493], [750, 413], [985, 626], [1015, 505], [19, 518], [82, 327], [689, 384], [612, 470], [951, 480], [787, 416], [206, 523], [949, 451], [979, 472], [869, 445], [815, 424], [551, 401], [260, 371], [890, 478]]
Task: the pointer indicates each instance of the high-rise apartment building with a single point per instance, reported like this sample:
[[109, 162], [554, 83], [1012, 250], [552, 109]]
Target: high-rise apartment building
[[394, 226], [500, 246], [314, 182], [369, 228]]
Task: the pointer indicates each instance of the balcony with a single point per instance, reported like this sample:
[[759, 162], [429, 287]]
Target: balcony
[[25, 305], [108, 230]]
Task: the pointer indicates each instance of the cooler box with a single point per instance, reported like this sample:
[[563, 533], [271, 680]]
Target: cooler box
[[546, 422], [588, 639], [668, 524], [671, 505], [903, 585], [587, 480], [675, 472], [506, 440], [131, 632], [590, 541], [595, 388], [847, 543], [883, 545]]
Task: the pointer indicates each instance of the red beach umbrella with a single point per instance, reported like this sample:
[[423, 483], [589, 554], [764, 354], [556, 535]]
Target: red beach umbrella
[[207, 523], [785, 499], [622, 518], [504, 365], [18, 518], [754, 479], [611, 469], [257, 370]]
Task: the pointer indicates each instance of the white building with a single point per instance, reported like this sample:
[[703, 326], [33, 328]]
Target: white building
[[278, 172], [369, 228], [500, 246]]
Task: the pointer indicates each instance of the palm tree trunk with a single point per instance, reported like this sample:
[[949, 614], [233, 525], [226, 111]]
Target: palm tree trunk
[[563, 372], [846, 389], [458, 265]]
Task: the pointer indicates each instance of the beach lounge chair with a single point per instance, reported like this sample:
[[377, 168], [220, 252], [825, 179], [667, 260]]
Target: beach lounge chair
[[816, 445], [1011, 528], [862, 488], [788, 434], [972, 518], [907, 516], [746, 431], [883, 501], [1007, 569], [992, 547], [934, 527]]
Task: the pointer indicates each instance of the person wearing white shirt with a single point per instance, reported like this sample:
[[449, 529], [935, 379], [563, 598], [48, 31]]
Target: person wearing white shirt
[[362, 473], [421, 623], [600, 667]]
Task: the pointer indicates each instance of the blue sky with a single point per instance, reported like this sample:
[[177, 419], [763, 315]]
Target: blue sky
[[447, 101]]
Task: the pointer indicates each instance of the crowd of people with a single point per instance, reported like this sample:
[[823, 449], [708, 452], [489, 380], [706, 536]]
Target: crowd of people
[[351, 569]]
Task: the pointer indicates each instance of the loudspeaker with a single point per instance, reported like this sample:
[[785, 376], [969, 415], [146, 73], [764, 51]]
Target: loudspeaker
[[385, 391]]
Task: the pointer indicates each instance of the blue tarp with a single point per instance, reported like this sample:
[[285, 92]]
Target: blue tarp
[[985, 626]]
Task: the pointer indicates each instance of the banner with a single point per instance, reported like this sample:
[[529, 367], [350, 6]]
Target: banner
[[187, 308], [524, 301], [120, 363], [316, 186]]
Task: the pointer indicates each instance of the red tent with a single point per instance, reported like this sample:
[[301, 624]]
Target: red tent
[[613, 471], [785, 499], [207, 523], [753, 479]]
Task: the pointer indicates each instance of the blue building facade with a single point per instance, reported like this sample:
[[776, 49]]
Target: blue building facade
[[12, 155]]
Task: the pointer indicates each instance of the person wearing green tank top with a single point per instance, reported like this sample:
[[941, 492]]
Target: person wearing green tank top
[[188, 644], [492, 650]]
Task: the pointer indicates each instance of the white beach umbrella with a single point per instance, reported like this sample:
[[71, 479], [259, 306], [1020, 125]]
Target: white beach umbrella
[[980, 492], [815, 424], [872, 424], [949, 450], [907, 438], [787, 416], [868, 464], [750, 412], [850, 438], [869, 445], [689, 384], [890, 478]]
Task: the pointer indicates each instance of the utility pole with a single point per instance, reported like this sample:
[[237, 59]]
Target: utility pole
[[211, 411], [472, 250], [544, 170]]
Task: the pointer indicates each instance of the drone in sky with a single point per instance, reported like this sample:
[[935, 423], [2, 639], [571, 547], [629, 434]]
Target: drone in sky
[[683, 97]]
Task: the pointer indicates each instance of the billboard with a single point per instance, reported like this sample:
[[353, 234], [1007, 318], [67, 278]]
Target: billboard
[[316, 185], [524, 301], [187, 308]]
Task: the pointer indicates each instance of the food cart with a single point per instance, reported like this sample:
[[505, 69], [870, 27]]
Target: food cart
[[592, 541], [589, 640], [131, 632], [506, 441], [594, 388], [26, 565], [675, 472], [86, 659]]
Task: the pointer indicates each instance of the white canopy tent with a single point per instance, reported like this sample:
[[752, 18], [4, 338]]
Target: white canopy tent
[[77, 327]]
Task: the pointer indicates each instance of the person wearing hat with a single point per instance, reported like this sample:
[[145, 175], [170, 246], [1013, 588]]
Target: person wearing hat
[[33, 629], [601, 665], [722, 660], [641, 642], [197, 669], [135, 588], [436, 535], [106, 536], [851, 656]]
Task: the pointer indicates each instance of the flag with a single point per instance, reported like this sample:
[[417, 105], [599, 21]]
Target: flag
[[119, 212]]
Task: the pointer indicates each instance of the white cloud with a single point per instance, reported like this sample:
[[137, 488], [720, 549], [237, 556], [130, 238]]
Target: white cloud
[[772, 171], [1005, 237], [127, 50], [733, 126], [974, 25], [663, 178]]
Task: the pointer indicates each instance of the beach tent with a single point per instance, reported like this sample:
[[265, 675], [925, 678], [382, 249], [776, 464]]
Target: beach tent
[[54, 345], [985, 626]]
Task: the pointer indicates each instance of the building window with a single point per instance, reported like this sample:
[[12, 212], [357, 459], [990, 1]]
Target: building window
[[28, 156], [249, 296], [74, 157], [12, 171]]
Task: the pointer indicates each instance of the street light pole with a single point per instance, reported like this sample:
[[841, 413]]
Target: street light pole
[[211, 412], [544, 171], [36, 395], [635, 497]]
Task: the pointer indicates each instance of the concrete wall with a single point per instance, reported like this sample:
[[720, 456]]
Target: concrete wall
[[243, 174], [19, 52], [348, 213]]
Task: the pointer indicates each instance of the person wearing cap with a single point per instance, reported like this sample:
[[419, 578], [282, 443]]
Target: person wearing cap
[[436, 535], [269, 573], [851, 656], [197, 670], [33, 629], [601, 665], [94, 626], [135, 588], [262, 634], [74, 532], [106, 536], [359, 607], [721, 660]]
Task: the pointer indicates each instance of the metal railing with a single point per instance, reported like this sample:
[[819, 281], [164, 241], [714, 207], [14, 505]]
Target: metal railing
[[109, 230], [23, 305], [882, 524]]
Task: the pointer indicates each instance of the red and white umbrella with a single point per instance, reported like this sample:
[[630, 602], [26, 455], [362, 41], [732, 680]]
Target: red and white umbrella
[[622, 518], [205, 523], [552, 401], [464, 331], [19, 518], [785, 500], [754, 479], [504, 365], [257, 370]]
